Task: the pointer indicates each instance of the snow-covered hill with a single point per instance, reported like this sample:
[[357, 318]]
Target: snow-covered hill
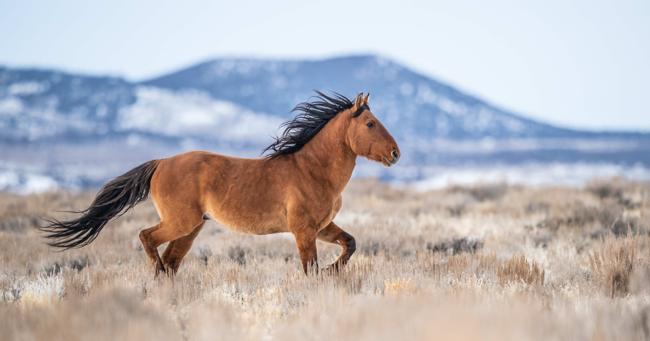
[[77, 130], [408, 102]]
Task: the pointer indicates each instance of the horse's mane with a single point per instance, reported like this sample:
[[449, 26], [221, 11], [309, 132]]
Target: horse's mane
[[311, 118]]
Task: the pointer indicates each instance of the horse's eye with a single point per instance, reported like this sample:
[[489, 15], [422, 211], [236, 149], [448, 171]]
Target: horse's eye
[[370, 124]]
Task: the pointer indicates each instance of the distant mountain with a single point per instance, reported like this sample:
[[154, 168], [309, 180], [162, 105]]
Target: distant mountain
[[51, 121], [410, 102], [38, 106]]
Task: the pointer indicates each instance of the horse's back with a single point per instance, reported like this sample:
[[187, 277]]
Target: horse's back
[[195, 172]]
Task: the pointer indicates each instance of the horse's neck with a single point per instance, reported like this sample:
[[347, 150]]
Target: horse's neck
[[327, 157]]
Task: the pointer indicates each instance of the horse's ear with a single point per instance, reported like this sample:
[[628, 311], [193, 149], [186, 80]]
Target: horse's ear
[[365, 99], [360, 100]]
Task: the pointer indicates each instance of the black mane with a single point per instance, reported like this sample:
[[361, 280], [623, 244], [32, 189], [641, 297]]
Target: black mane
[[311, 118]]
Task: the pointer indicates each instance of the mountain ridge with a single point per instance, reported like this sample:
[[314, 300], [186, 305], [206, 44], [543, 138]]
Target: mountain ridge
[[51, 120], [170, 81]]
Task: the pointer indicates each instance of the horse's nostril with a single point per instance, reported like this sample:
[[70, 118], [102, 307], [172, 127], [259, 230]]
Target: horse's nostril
[[395, 155]]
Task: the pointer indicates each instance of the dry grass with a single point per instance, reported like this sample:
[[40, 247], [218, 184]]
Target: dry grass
[[519, 269], [612, 264], [492, 262]]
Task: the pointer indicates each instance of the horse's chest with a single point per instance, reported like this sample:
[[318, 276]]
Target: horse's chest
[[328, 213]]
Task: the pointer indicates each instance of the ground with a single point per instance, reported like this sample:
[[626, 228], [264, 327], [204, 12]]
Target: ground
[[488, 262]]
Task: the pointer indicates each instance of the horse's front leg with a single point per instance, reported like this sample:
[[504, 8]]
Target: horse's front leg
[[334, 234], [304, 226], [306, 242]]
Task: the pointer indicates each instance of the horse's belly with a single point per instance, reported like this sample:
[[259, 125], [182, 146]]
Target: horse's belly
[[251, 223]]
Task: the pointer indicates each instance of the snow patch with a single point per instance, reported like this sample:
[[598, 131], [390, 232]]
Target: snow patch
[[576, 174], [425, 95], [10, 106], [193, 113], [24, 183], [449, 106], [26, 88]]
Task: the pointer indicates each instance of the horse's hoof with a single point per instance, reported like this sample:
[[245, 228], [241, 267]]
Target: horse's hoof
[[330, 270], [160, 268]]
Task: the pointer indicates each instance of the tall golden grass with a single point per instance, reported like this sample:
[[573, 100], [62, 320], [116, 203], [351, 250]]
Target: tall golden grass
[[489, 262]]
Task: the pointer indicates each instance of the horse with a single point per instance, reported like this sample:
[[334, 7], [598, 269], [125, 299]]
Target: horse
[[294, 187]]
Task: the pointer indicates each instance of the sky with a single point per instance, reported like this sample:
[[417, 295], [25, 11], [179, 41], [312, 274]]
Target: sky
[[583, 64]]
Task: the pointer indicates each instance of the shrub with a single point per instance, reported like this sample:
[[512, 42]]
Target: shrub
[[519, 269], [612, 265], [456, 246]]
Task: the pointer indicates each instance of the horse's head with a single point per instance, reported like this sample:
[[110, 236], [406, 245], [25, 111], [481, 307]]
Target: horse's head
[[367, 137]]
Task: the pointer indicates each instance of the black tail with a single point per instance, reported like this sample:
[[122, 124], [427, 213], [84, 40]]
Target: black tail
[[114, 199]]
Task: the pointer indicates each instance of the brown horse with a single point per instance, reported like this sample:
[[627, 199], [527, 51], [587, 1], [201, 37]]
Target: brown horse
[[296, 188]]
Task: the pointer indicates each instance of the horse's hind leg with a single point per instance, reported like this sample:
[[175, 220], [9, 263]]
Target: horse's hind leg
[[177, 249], [150, 249], [334, 234], [166, 231]]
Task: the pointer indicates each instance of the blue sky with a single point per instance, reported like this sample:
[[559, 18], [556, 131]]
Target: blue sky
[[575, 63]]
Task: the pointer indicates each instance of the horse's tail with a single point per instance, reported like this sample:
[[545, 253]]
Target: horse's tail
[[114, 199]]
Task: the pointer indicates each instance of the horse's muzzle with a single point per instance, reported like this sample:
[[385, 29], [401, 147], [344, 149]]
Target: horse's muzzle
[[394, 157]]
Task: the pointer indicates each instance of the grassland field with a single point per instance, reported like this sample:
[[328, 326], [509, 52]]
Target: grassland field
[[484, 262]]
